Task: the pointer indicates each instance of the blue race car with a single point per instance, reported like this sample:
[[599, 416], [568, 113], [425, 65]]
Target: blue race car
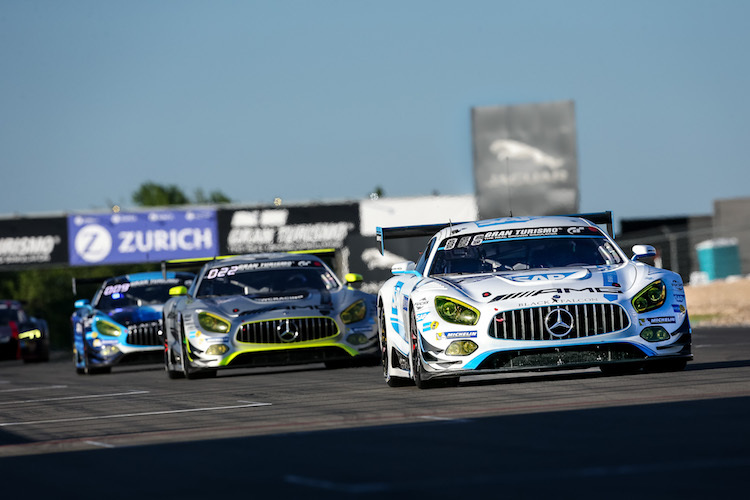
[[123, 323]]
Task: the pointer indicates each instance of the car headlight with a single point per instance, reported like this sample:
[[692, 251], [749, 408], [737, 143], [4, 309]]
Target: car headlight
[[213, 323], [106, 328], [650, 298], [216, 349], [355, 312], [455, 311], [461, 348], [654, 334]]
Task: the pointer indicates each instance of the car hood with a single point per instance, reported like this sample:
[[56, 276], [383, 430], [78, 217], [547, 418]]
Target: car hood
[[130, 315], [489, 287], [239, 305]]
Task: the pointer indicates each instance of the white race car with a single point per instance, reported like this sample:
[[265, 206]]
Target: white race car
[[527, 293]]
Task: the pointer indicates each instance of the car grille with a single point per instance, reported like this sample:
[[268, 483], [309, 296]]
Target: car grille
[[586, 320], [147, 333], [287, 330]]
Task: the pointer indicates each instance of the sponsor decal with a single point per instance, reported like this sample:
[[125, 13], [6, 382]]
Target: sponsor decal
[[660, 320], [422, 315], [223, 271], [421, 304], [678, 308], [504, 234], [679, 297], [456, 335], [677, 285], [612, 290], [426, 327], [540, 277], [278, 299]]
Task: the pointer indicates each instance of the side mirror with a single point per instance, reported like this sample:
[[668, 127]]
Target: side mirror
[[353, 278], [403, 267], [81, 303], [643, 252], [178, 291]]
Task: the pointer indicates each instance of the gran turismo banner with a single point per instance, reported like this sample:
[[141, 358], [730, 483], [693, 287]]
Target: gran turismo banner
[[525, 159], [149, 236], [274, 229], [27, 241]]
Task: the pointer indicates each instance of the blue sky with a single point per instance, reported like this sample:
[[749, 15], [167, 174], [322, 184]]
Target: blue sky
[[321, 100]]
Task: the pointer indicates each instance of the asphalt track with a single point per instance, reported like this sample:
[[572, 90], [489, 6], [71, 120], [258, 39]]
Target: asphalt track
[[308, 432]]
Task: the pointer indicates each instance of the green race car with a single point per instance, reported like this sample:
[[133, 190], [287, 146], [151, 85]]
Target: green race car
[[264, 310]]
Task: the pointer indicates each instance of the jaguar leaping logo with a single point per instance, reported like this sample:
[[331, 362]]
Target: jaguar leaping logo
[[559, 322], [520, 151]]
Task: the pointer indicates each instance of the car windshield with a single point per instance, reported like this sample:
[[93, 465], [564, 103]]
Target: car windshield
[[513, 254], [8, 315], [136, 293], [267, 281]]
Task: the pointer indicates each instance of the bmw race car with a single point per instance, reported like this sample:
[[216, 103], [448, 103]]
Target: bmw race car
[[22, 336], [527, 293], [267, 309], [123, 323]]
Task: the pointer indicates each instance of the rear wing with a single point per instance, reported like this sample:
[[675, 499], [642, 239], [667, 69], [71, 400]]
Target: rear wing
[[87, 281], [390, 233], [327, 255]]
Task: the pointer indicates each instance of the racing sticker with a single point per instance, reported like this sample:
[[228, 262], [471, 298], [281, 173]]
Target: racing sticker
[[457, 335], [530, 278], [660, 320], [506, 234]]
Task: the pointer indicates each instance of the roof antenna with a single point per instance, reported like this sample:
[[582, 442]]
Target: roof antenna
[[510, 199]]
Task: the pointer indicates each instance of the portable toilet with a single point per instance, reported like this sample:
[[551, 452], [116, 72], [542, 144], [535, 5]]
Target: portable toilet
[[719, 258]]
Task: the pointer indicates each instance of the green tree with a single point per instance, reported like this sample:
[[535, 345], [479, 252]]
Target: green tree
[[213, 197], [150, 194]]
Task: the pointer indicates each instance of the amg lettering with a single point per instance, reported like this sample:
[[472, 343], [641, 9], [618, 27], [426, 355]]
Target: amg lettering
[[534, 293]]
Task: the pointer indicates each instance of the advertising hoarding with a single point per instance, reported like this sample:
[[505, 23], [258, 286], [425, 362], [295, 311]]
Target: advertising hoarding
[[27, 241], [275, 229], [525, 159], [148, 236]]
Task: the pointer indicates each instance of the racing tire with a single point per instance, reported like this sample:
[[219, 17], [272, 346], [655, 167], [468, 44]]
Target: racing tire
[[168, 357], [385, 354], [90, 370]]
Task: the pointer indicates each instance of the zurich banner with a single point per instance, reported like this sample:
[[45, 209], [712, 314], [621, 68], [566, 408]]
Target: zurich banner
[[149, 236]]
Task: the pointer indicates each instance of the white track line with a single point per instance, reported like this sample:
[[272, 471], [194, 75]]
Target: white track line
[[21, 389], [131, 393], [128, 415]]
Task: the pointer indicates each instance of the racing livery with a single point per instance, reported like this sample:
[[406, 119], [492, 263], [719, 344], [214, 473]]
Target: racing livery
[[22, 336], [123, 323], [527, 293], [267, 309]]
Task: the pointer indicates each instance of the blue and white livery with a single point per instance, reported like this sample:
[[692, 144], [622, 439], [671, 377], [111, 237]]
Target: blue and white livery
[[123, 322], [527, 293]]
